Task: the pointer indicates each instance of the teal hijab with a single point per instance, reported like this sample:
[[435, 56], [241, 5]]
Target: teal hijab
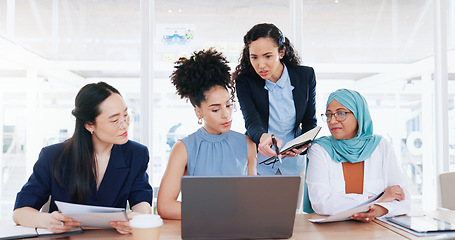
[[353, 150]]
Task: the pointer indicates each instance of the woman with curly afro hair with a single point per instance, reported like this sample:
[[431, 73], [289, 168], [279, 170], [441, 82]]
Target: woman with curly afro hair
[[214, 149]]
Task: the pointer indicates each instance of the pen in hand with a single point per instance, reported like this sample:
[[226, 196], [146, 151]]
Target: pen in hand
[[276, 147]]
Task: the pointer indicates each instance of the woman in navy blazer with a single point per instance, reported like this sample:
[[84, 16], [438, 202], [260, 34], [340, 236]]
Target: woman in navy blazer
[[276, 96], [97, 166]]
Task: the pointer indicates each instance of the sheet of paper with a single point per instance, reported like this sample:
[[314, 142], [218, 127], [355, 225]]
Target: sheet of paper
[[98, 220], [342, 216], [92, 216], [65, 207]]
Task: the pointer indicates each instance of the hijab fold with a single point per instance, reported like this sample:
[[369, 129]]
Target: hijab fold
[[353, 150]]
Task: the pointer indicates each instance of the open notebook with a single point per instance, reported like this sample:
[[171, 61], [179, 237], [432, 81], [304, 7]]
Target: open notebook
[[297, 142], [11, 231]]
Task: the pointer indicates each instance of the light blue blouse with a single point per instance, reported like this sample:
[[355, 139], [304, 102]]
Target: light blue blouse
[[211, 154], [281, 123]]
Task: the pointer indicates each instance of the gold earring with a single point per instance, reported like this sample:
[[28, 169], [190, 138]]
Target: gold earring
[[199, 121]]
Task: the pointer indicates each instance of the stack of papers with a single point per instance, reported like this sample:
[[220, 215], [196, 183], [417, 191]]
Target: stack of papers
[[92, 216]]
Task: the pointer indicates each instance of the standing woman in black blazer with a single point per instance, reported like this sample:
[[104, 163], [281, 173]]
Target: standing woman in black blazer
[[276, 96]]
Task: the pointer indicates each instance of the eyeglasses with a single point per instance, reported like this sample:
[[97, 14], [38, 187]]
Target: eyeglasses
[[270, 161], [339, 116], [126, 119]]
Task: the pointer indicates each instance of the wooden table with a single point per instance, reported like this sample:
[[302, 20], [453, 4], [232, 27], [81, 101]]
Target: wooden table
[[303, 229]]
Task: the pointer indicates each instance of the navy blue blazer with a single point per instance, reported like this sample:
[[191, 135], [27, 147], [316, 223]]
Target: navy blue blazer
[[125, 180], [254, 101]]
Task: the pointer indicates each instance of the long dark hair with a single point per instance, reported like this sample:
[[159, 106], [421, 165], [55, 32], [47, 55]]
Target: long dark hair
[[194, 76], [265, 30], [78, 153]]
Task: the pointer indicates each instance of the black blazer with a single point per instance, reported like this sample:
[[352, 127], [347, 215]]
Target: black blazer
[[254, 101], [125, 180]]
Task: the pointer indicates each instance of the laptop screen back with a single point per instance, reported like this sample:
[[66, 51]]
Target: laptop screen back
[[239, 207]]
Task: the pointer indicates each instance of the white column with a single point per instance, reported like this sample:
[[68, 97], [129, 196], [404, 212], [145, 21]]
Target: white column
[[147, 26], [1, 150], [33, 140], [296, 23], [395, 30], [396, 138], [428, 136], [10, 18], [55, 26], [441, 87], [451, 23], [441, 91]]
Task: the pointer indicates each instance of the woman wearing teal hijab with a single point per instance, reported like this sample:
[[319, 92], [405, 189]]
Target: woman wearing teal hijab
[[353, 164]]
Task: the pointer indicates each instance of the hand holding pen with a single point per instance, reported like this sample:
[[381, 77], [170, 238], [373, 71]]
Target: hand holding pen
[[266, 143], [277, 150]]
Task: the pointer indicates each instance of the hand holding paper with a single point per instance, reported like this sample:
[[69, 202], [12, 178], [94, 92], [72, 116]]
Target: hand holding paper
[[59, 223], [374, 212], [92, 216], [342, 216]]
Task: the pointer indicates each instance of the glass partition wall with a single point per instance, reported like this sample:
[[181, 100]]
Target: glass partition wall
[[50, 48]]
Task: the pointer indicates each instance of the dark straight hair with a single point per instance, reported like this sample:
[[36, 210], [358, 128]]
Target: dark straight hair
[[265, 30], [78, 152]]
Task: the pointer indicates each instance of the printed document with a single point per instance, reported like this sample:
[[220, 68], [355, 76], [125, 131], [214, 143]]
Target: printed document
[[92, 216], [342, 216]]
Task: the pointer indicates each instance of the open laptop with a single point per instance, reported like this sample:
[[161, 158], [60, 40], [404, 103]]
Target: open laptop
[[239, 207]]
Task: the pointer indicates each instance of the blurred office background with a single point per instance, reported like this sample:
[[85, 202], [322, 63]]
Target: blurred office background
[[399, 54]]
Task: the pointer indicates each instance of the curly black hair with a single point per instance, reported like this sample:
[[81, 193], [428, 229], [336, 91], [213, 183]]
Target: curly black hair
[[195, 76], [265, 30]]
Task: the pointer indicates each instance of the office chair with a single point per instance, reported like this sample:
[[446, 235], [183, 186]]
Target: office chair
[[447, 192], [45, 207]]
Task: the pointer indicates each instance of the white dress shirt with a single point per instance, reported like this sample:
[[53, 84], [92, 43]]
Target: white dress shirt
[[326, 185]]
